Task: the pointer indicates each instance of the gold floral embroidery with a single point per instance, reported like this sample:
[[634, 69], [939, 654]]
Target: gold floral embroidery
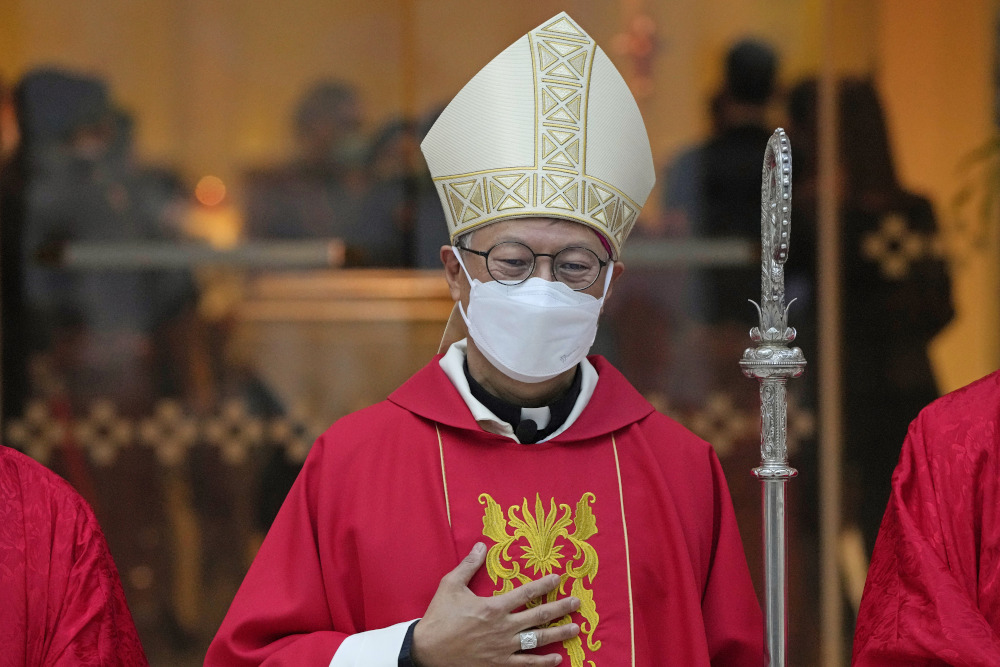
[[545, 541]]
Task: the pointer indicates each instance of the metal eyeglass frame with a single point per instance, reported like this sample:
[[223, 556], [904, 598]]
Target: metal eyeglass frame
[[535, 255]]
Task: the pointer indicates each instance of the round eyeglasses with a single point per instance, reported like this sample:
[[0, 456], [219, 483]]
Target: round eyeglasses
[[511, 263]]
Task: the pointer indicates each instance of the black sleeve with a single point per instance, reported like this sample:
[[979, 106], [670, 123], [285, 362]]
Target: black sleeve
[[404, 653]]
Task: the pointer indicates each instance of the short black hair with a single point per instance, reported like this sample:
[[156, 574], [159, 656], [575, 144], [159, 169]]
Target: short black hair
[[750, 71]]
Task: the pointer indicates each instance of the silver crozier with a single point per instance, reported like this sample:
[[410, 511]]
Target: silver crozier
[[772, 361]]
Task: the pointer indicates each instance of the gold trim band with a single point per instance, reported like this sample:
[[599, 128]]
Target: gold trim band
[[628, 559], [444, 476]]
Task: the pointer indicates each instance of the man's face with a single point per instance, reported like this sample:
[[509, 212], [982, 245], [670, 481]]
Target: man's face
[[542, 235]]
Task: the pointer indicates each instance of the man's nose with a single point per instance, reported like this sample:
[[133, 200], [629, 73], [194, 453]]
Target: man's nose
[[544, 268]]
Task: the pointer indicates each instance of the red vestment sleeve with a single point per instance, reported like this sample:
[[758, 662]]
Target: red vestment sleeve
[[733, 620], [280, 615], [933, 573], [63, 603], [93, 625]]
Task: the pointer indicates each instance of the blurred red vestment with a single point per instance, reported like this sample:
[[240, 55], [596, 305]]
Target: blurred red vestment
[[628, 506], [61, 602], [933, 591]]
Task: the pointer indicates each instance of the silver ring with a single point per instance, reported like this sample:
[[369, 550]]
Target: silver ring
[[529, 640]]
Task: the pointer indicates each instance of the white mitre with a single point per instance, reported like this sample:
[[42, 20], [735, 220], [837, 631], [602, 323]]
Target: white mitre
[[547, 129]]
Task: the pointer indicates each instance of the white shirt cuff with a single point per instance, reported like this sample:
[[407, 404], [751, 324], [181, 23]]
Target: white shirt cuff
[[373, 648]]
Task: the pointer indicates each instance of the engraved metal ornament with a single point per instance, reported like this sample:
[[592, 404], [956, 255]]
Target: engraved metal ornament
[[772, 362], [775, 234]]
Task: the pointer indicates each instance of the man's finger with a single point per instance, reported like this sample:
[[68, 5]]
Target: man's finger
[[463, 573], [528, 660], [545, 613], [522, 595], [545, 636]]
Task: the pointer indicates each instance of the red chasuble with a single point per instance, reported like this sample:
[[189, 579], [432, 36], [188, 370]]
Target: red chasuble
[[626, 505], [933, 591], [61, 602]]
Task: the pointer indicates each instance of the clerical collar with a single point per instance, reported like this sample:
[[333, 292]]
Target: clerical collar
[[528, 423]]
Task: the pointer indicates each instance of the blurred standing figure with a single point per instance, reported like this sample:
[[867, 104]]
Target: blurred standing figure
[[92, 329], [320, 193], [403, 219], [96, 340], [713, 189], [391, 200], [896, 287]]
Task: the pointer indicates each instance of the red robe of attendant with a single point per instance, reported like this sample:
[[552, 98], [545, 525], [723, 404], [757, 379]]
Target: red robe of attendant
[[629, 507], [933, 591], [61, 602]]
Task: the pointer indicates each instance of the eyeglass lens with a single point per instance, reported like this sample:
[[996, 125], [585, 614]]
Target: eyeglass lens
[[511, 263]]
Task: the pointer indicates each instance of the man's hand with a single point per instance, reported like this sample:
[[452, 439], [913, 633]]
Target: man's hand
[[461, 629]]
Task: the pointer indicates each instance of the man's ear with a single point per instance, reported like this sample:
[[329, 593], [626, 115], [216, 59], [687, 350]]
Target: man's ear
[[452, 272]]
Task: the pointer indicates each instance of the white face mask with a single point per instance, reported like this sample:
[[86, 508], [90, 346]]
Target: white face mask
[[532, 331]]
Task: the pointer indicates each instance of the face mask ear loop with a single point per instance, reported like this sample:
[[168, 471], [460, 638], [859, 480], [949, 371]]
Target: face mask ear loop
[[607, 278], [458, 256]]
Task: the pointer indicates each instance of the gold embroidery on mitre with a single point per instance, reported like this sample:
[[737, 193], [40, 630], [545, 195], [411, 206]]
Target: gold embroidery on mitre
[[542, 537], [562, 83]]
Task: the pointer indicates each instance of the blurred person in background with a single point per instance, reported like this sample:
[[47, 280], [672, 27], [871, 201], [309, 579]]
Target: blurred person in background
[[713, 190], [401, 208], [392, 198], [100, 344], [896, 289], [320, 193], [94, 330], [431, 230]]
